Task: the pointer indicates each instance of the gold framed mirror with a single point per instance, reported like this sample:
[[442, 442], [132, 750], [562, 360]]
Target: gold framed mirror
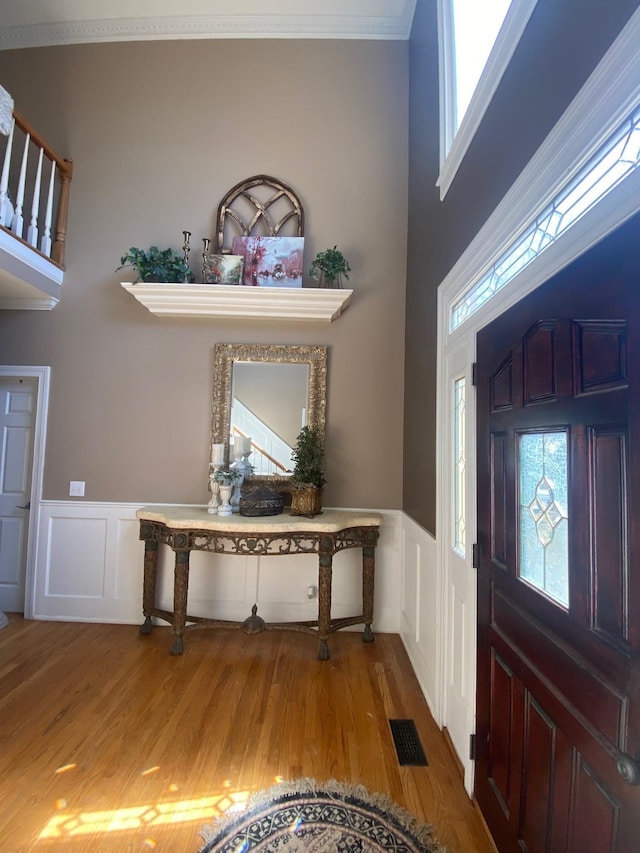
[[267, 392]]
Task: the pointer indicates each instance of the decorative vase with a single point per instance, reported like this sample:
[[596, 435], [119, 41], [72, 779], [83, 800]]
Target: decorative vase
[[306, 499], [330, 282]]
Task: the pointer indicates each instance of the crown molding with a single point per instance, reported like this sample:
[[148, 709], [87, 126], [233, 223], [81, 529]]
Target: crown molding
[[395, 25]]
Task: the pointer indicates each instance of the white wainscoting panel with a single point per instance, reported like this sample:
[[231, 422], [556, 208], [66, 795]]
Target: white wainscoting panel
[[88, 565], [89, 568], [77, 572], [126, 552], [420, 618]]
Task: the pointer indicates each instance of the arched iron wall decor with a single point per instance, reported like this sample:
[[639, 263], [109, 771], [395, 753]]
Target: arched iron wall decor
[[258, 205]]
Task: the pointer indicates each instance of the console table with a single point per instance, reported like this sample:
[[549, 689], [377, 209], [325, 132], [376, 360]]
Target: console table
[[186, 529]]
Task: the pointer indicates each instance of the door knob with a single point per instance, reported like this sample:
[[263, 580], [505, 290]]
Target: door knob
[[27, 506], [628, 770]]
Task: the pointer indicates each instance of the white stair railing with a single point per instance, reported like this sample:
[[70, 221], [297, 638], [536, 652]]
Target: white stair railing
[[28, 190]]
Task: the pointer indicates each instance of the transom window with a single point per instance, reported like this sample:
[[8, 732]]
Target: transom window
[[615, 159]]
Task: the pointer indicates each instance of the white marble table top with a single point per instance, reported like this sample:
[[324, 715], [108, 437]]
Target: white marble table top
[[328, 521]]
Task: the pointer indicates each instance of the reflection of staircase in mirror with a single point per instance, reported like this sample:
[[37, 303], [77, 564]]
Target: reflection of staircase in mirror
[[270, 454]]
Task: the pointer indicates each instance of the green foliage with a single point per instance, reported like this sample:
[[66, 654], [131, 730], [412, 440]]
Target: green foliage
[[228, 477], [332, 263], [308, 456], [156, 265]]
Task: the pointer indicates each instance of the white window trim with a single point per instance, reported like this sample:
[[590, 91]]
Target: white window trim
[[611, 93], [454, 145]]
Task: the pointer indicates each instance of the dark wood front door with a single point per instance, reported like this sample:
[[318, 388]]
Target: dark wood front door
[[558, 701]]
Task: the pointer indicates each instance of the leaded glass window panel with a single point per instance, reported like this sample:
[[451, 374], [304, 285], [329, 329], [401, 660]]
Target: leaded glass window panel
[[617, 158], [544, 517], [459, 467]]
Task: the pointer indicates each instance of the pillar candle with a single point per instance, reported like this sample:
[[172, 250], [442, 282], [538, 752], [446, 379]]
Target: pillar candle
[[217, 454], [243, 443]]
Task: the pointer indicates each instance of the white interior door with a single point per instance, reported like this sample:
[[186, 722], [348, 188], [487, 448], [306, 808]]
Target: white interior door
[[18, 400]]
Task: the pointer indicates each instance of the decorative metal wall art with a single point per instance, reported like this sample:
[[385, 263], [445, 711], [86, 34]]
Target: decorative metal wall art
[[258, 205]]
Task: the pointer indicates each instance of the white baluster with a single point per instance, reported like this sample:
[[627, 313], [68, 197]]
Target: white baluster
[[32, 231], [18, 221], [45, 243], [6, 208]]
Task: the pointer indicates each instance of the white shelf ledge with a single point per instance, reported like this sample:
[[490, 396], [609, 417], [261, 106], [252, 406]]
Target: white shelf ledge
[[236, 301]]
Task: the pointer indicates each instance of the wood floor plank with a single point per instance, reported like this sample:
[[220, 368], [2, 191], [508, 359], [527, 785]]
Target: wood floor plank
[[108, 743]]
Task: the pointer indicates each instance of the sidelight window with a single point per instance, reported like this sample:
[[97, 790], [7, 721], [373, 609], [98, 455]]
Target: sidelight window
[[543, 527], [459, 537]]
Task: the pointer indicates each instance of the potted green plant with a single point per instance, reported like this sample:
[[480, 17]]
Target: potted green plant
[[329, 267], [156, 265], [307, 478], [228, 477]]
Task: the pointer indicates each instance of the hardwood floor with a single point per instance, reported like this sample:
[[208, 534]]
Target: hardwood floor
[[107, 743]]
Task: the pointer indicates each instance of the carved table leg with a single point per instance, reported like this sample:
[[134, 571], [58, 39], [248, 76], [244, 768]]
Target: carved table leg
[[324, 604], [149, 583], [368, 576], [180, 589]]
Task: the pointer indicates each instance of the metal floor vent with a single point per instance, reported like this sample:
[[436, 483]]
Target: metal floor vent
[[407, 743]]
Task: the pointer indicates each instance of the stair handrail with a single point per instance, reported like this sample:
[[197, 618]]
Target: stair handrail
[[64, 168]]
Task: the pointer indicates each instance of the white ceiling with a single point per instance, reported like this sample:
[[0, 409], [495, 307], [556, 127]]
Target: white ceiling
[[37, 23]]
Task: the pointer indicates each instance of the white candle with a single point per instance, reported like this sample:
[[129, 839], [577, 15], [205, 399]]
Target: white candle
[[217, 454], [243, 443]]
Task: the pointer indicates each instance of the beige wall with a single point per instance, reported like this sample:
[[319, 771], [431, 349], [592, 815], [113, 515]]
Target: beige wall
[[158, 132]]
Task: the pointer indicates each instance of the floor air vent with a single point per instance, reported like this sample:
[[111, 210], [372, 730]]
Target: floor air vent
[[407, 742]]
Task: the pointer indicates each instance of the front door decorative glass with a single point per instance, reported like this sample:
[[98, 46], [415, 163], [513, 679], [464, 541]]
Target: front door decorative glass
[[543, 541]]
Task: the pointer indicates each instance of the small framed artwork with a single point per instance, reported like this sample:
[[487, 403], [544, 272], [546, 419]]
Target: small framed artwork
[[271, 261], [222, 269]]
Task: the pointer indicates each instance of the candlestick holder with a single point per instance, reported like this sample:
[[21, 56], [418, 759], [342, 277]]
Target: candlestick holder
[[242, 463], [214, 487], [186, 248], [225, 495], [205, 252], [236, 495]]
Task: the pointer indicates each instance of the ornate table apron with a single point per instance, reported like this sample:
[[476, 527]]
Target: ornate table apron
[[185, 529]]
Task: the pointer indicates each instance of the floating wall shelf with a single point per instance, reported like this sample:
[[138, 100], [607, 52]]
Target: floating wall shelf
[[233, 301]]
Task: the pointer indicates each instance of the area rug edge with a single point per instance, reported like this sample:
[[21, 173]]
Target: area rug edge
[[424, 833]]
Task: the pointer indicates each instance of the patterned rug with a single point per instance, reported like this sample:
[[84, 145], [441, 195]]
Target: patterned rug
[[312, 817]]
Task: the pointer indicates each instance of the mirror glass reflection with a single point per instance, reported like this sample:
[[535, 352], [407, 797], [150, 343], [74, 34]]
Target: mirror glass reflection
[[269, 404]]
